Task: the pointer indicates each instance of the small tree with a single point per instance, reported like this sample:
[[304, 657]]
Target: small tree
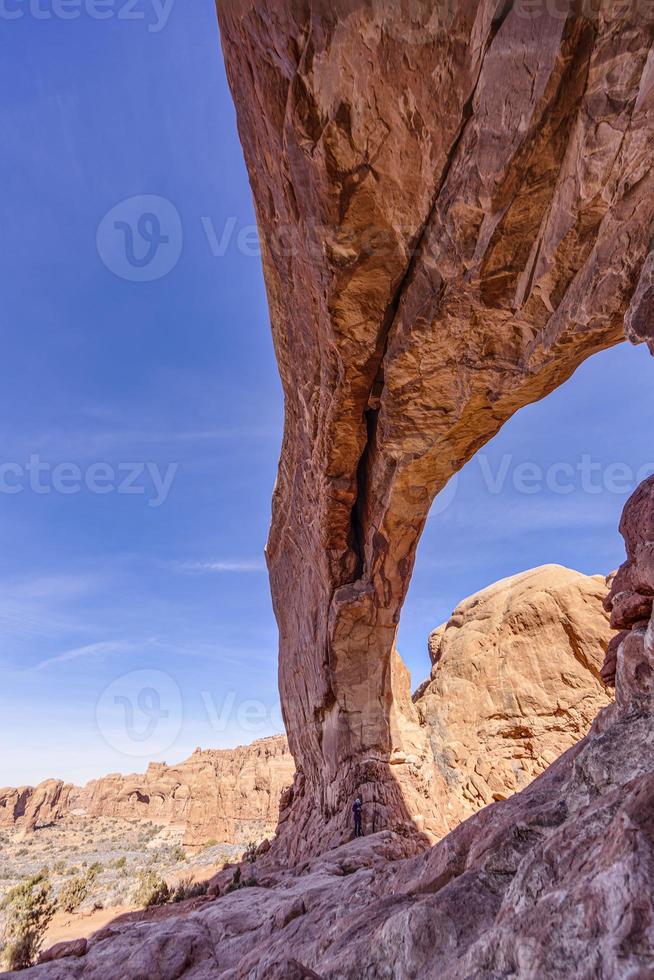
[[28, 908]]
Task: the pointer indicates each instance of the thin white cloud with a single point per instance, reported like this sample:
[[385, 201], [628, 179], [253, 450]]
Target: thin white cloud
[[60, 587], [44, 605], [104, 648], [235, 655], [227, 565]]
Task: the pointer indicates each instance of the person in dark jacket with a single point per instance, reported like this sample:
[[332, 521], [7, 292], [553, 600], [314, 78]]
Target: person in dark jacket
[[356, 810]]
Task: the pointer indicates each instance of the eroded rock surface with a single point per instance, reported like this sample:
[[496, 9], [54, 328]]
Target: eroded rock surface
[[31, 807], [515, 681], [557, 881], [456, 204], [229, 795]]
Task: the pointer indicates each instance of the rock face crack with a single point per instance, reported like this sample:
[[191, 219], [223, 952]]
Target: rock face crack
[[415, 248]]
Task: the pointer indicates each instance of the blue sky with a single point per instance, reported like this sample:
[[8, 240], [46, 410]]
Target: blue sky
[[137, 625]]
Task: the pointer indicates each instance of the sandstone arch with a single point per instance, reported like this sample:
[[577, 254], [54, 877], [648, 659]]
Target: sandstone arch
[[456, 206]]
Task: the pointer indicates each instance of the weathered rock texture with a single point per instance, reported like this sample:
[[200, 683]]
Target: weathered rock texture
[[229, 795], [515, 682], [456, 204], [31, 807], [556, 882]]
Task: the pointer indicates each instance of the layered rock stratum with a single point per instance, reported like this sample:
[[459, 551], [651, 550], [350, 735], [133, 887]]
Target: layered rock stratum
[[226, 795], [557, 881], [456, 203]]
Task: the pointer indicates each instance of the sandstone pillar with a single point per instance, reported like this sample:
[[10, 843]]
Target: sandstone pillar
[[456, 204]]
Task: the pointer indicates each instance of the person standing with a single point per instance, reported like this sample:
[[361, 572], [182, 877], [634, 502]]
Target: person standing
[[357, 810]]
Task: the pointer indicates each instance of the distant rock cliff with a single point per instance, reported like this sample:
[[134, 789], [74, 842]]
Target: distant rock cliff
[[31, 807], [229, 795]]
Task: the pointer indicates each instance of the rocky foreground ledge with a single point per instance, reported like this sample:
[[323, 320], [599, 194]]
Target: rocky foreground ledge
[[557, 881]]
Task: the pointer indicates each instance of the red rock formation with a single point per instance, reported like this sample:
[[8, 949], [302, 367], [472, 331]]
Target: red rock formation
[[13, 802], [77, 947], [556, 882], [33, 807], [630, 603], [515, 682], [456, 205], [229, 795]]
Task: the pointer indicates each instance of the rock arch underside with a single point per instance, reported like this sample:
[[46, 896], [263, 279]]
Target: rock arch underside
[[456, 207]]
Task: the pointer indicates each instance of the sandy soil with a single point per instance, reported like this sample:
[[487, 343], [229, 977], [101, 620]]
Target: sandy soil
[[65, 926], [119, 850]]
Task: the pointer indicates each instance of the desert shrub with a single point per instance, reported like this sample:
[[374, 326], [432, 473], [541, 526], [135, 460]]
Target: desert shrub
[[250, 852], [95, 869], [166, 854], [149, 833], [22, 852], [28, 909], [211, 843], [73, 893], [187, 888], [239, 882], [18, 953], [151, 890], [59, 867], [119, 863]]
